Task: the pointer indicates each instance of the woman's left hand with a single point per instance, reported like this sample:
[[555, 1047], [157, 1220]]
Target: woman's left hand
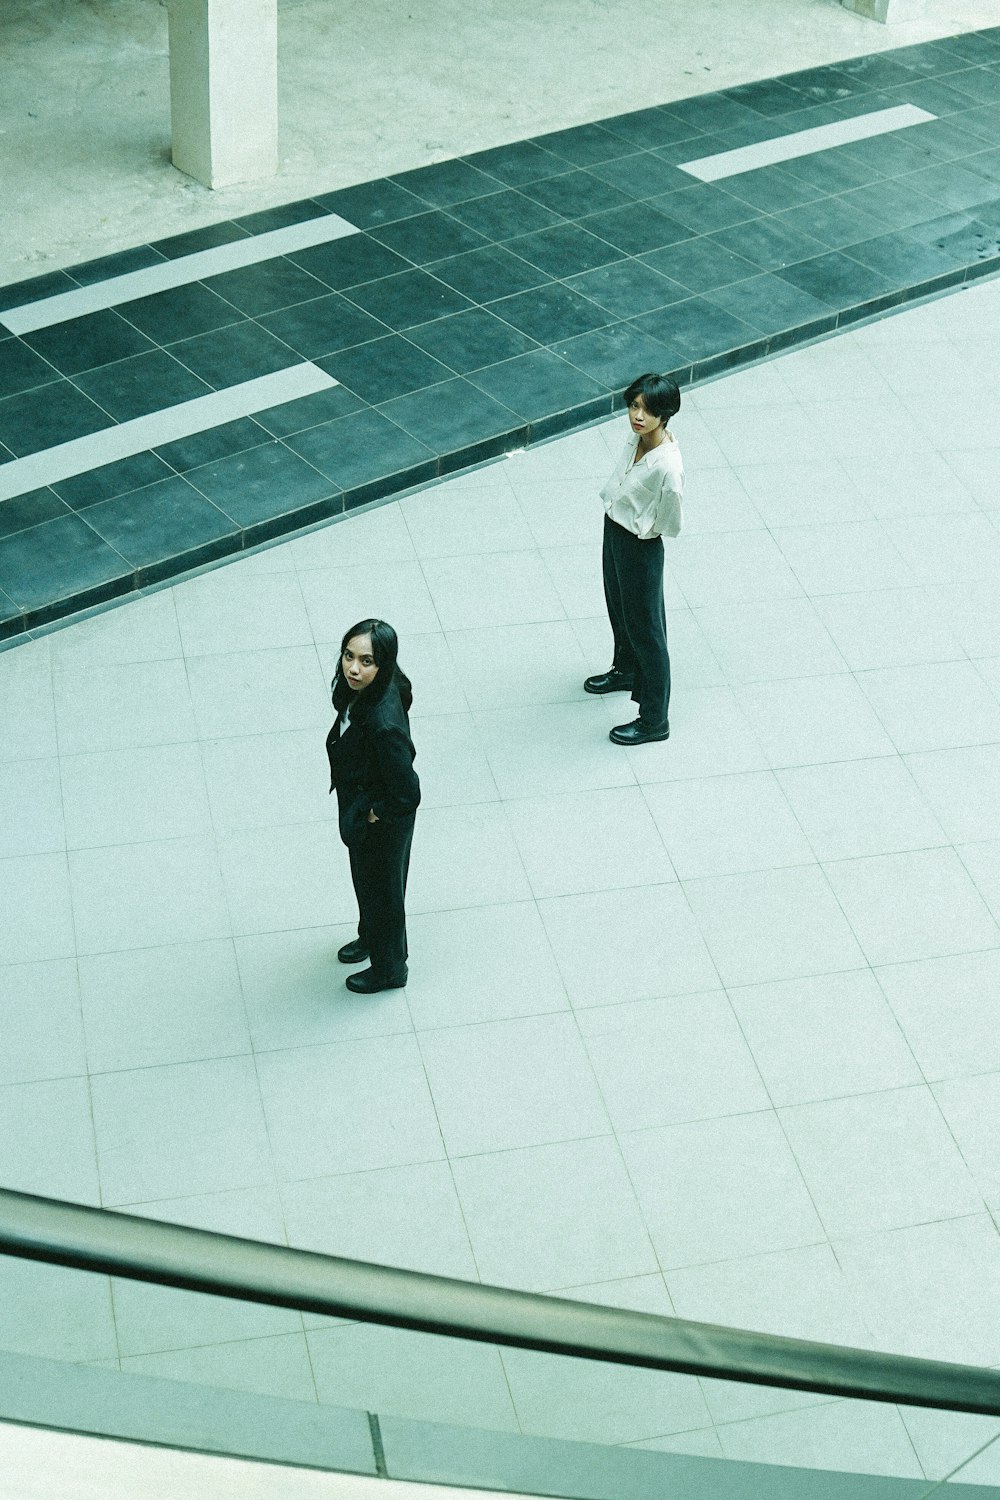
[[371, 816]]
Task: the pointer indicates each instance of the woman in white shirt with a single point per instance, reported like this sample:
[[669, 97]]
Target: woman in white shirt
[[642, 504]]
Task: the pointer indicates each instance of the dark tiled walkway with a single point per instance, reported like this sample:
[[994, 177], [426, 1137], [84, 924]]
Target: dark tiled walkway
[[485, 303]]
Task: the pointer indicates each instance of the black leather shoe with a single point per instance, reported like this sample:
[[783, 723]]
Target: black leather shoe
[[609, 682], [638, 733], [353, 953], [369, 983]]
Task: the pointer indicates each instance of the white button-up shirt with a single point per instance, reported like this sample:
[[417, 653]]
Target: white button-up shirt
[[645, 497]]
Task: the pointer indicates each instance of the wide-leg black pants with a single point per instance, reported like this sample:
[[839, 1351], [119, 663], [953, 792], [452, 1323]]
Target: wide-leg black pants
[[633, 588], [380, 862]]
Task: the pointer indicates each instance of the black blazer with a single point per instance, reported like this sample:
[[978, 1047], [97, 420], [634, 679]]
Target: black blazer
[[371, 767]]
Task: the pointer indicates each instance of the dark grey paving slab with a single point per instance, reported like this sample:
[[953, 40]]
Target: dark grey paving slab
[[167, 529], [217, 442], [25, 511], [385, 368], [134, 387], [85, 343], [21, 369]]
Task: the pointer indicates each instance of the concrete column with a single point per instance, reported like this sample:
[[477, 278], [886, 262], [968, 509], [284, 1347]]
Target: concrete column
[[224, 89], [887, 10]]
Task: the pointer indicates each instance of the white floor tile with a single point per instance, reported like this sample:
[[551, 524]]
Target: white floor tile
[[709, 736], [738, 568], [812, 720], [978, 467], [856, 807], [773, 924], [143, 629], [573, 574], [336, 598], [496, 588], [838, 558], [167, 1132], [971, 1108], [28, 724], [950, 1270], [511, 666], [507, 1084], [553, 1216], [983, 864], [963, 788], [282, 878], [944, 1440], [123, 705], [801, 1294], [937, 706], [563, 747], [720, 1190], [162, 1005], [857, 1436], [464, 856], [260, 692], [399, 1216], [909, 485], [223, 612], [715, 500], [972, 611], [965, 550], [482, 963], [585, 841], [41, 1022], [491, 521], [889, 627], [352, 1107], [367, 536], [31, 808], [267, 781], [824, 1037], [453, 766], [949, 1010], [921, 904], [763, 641], [151, 1319], [559, 512], [794, 493], [664, 1062], [146, 895], [726, 824], [880, 1161], [667, 955], [49, 1140], [136, 795], [779, 431], [37, 916]]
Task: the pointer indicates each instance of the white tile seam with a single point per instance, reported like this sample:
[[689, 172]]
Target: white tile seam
[[141, 433], [805, 142], [31, 316]]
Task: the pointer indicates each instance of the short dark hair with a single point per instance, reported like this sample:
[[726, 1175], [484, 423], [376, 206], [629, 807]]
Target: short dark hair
[[660, 395]]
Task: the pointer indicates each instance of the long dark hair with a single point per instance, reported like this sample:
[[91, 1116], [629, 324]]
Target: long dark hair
[[385, 648]]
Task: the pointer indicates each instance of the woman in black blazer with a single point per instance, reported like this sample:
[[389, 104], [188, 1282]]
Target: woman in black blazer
[[371, 769]]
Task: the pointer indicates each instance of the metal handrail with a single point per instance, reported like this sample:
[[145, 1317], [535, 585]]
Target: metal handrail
[[200, 1260]]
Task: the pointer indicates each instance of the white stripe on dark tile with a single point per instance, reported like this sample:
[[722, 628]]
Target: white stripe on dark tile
[[169, 273], [187, 417], [804, 142]]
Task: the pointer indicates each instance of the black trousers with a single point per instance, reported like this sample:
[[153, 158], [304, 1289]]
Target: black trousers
[[380, 861], [633, 588]]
